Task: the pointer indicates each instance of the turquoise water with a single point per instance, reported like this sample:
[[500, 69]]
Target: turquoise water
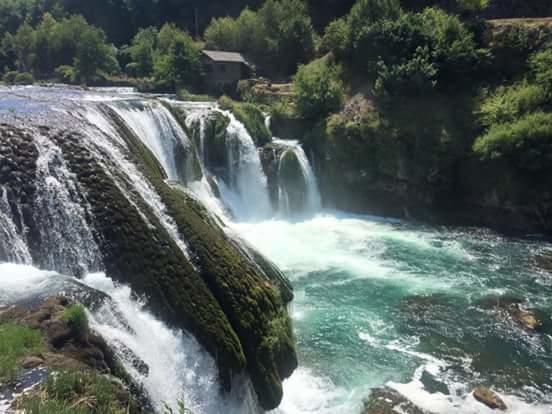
[[389, 303]]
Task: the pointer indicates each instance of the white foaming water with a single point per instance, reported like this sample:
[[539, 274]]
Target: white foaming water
[[179, 370], [328, 242], [11, 240], [66, 238], [20, 281], [112, 158], [313, 201], [250, 199], [160, 132]]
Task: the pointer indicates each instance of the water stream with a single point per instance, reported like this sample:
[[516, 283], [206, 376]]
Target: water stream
[[378, 302]]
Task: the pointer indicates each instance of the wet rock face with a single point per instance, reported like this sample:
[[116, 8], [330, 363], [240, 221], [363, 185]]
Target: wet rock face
[[489, 398]]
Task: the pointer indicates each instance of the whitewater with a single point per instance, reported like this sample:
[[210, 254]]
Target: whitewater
[[378, 301]]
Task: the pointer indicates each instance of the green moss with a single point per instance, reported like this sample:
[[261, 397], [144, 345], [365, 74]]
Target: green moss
[[16, 342], [251, 117], [76, 318], [146, 257]]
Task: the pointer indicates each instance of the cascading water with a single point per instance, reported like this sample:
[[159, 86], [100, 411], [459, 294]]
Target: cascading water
[[311, 202], [13, 247], [162, 134], [377, 302], [247, 192], [67, 242]]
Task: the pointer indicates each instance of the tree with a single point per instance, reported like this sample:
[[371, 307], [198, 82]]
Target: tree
[[319, 89], [142, 51], [178, 63], [94, 56]]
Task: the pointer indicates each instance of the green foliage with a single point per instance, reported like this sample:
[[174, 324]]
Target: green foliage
[[16, 342], [277, 37], [527, 141], [9, 77], [142, 51], [72, 392], [250, 116], [319, 89], [541, 66], [66, 42], [75, 316], [336, 37], [507, 104], [403, 52], [24, 78], [473, 6], [94, 56], [66, 73], [178, 63], [181, 409]]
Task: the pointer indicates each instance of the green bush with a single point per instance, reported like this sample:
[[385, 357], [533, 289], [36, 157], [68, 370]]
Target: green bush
[[319, 89], [541, 66], [66, 74], [24, 78], [9, 77], [509, 103], [527, 141], [16, 342], [76, 318], [250, 116]]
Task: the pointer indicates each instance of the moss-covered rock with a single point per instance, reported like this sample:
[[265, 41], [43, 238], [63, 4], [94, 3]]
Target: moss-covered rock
[[292, 181], [143, 254], [253, 304]]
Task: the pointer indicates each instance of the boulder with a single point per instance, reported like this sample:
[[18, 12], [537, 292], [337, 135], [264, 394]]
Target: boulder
[[528, 319], [388, 401], [489, 398]]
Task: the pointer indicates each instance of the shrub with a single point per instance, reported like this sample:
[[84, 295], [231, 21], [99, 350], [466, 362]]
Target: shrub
[[336, 38], [76, 318], [16, 342], [509, 103], [527, 141], [66, 74], [9, 77], [24, 78], [319, 89], [541, 66]]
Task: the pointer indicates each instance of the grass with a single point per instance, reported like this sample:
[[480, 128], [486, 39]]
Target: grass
[[75, 392], [75, 316], [16, 342]]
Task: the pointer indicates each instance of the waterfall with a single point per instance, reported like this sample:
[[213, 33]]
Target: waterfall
[[162, 134], [168, 364], [177, 367], [110, 148], [66, 240], [13, 246], [311, 202], [247, 193]]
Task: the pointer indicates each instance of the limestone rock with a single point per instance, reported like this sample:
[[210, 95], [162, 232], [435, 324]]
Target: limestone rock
[[489, 398]]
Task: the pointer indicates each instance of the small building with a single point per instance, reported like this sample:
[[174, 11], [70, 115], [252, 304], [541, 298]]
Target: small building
[[223, 70]]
